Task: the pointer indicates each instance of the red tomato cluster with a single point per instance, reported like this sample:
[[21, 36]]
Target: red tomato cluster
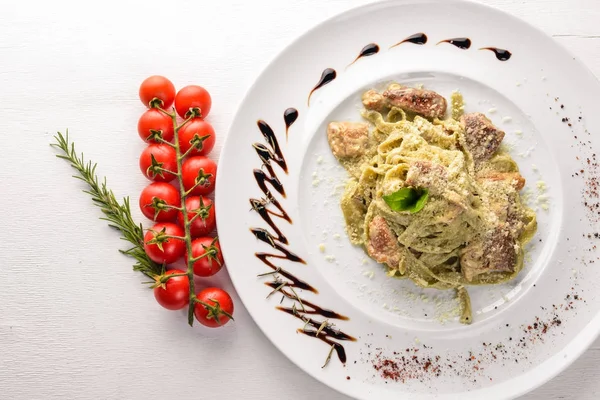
[[160, 201]]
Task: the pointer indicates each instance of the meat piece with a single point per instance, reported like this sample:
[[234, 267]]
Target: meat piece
[[481, 136], [423, 102], [373, 100], [496, 253], [383, 245], [354, 208], [503, 198], [348, 139], [428, 175], [514, 178]]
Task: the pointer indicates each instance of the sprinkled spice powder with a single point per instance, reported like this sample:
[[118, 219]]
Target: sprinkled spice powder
[[423, 364], [407, 365], [591, 192], [589, 170]]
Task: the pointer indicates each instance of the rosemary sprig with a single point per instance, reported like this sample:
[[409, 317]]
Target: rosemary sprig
[[321, 327], [298, 298], [329, 355], [276, 271], [117, 214], [277, 289]]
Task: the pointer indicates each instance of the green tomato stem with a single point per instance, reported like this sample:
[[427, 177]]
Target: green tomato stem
[[194, 217], [163, 141], [186, 225], [187, 153], [193, 260], [170, 207], [175, 237]]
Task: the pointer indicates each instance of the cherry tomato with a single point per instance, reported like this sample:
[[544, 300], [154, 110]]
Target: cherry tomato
[[212, 258], [197, 133], [200, 173], [205, 222], [193, 96], [155, 200], [157, 87], [174, 293], [153, 122], [216, 308], [161, 249], [156, 160]]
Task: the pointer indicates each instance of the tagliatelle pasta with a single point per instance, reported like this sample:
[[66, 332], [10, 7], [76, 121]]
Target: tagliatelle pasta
[[470, 226]]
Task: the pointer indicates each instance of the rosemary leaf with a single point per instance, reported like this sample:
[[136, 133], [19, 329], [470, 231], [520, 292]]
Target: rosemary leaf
[[321, 327], [329, 356], [118, 215]]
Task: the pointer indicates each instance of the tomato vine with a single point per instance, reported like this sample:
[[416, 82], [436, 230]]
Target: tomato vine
[[184, 194], [162, 161]]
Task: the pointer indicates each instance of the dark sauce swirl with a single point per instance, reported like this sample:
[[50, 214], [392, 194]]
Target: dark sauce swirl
[[501, 54], [339, 349], [289, 116], [326, 334], [461, 43], [265, 236], [368, 50], [327, 76], [309, 308], [418, 38], [270, 209], [275, 153]]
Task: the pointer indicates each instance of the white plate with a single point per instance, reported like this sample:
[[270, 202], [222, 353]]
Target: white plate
[[524, 332]]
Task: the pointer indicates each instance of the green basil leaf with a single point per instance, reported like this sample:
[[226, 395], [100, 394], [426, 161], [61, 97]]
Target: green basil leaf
[[421, 201], [407, 199]]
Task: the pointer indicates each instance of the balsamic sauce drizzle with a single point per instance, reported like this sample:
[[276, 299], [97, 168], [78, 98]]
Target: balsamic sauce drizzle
[[266, 180], [339, 349], [327, 333], [418, 38], [314, 309], [501, 54], [368, 50], [289, 116], [327, 76], [461, 43], [265, 236]]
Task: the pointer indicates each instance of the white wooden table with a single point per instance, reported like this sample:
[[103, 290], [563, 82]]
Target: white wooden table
[[74, 320]]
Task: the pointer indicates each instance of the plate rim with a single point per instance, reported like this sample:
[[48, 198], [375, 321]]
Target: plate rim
[[551, 367]]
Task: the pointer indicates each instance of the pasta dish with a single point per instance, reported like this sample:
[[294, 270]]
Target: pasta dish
[[433, 199]]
